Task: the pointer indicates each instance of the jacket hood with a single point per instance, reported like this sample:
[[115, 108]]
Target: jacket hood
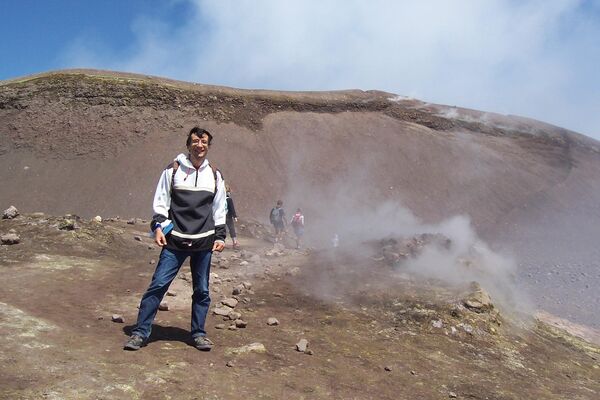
[[184, 160]]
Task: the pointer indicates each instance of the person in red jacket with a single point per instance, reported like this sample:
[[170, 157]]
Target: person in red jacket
[[297, 223]]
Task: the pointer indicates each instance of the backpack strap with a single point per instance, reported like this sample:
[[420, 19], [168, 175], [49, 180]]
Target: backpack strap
[[175, 166], [214, 170]]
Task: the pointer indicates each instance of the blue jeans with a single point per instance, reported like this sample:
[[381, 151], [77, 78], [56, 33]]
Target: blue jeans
[[168, 265]]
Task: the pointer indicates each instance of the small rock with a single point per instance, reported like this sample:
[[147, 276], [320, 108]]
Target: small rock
[[10, 213], [150, 247], [153, 261], [10, 238], [224, 311], [138, 238], [387, 368], [302, 345], [249, 348], [240, 323], [163, 306], [247, 285], [220, 326], [171, 293], [244, 263], [131, 221], [309, 352], [67, 225], [229, 302], [277, 295], [233, 328], [97, 219], [437, 323], [117, 318], [234, 315], [272, 321], [237, 290], [467, 328], [230, 364], [452, 395], [413, 373]]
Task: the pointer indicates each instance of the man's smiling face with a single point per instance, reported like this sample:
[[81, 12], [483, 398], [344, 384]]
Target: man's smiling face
[[198, 147]]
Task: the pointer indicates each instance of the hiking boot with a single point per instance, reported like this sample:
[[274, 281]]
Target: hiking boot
[[134, 343], [203, 343]]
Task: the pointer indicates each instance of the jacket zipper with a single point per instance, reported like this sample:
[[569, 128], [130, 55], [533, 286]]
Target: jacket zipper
[[196, 182]]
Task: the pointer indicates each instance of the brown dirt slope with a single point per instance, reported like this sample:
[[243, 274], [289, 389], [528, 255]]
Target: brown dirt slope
[[93, 142]]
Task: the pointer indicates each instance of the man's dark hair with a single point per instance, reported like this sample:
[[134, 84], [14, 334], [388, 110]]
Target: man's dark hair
[[198, 132]]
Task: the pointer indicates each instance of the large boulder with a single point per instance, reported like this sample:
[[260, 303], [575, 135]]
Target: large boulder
[[10, 213], [10, 238]]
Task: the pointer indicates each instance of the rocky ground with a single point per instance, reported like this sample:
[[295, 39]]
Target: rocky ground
[[297, 324]]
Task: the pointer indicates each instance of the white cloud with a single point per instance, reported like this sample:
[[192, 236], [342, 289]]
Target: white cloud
[[533, 58]]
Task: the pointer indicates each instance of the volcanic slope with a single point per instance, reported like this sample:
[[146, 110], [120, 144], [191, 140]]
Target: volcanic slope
[[94, 142]]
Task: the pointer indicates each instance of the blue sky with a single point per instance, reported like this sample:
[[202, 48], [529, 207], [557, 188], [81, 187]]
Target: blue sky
[[533, 58]]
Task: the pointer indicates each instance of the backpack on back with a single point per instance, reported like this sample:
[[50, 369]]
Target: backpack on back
[[275, 215], [297, 220]]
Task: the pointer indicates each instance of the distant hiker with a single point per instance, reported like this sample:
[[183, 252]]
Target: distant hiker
[[297, 223], [231, 217], [189, 221], [277, 217], [335, 241]]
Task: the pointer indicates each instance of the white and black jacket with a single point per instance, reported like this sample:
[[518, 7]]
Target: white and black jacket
[[195, 204]]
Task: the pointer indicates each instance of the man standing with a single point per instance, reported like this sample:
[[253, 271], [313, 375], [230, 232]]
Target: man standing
[[231, 218], [189, 221], [277, 218]]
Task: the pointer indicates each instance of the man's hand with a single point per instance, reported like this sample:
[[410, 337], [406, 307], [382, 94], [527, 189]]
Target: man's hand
[[159, 237], [235, 219], [218, 246]]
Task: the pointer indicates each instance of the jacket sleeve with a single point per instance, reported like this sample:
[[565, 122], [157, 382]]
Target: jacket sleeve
[[219, 209], [162, 198]]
